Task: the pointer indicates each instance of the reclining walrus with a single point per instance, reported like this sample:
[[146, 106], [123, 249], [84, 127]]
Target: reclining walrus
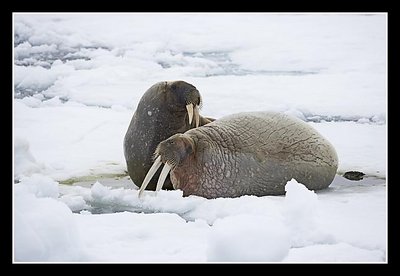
[[253, 153]]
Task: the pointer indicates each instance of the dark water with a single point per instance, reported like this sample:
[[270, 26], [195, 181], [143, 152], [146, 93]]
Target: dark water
[[342, 185]]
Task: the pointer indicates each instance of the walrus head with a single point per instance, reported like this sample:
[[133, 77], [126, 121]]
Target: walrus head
[[183, 94], [171, 152]]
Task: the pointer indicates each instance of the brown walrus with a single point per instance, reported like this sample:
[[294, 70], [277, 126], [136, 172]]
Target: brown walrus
[[253, 153], [166, 108]]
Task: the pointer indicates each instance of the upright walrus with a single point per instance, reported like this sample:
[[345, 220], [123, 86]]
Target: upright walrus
[[165, 109], [253, 153]]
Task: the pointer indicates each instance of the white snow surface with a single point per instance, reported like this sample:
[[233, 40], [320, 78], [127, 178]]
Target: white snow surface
[[78, 79]]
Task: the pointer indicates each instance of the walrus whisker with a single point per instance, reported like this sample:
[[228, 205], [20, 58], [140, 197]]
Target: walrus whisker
[[164, 173], [189, 108], [157, 163]]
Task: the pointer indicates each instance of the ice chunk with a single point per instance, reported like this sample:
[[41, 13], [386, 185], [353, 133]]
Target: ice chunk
[[248, 238]]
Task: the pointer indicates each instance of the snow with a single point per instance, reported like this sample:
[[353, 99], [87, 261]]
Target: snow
[[340, 252], [301, 210], [169, 228], [78, 79], [362, 148], [237, 239], [44, 227], [39, 185], [27, 164]]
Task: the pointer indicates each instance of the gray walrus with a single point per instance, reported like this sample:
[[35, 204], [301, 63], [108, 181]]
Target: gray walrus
[[253, 153], [165, 109]]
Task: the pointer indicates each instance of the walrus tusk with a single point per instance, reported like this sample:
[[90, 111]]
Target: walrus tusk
[[163, 176], [193, 110], [196, 115], [189, 108], [150, 174]]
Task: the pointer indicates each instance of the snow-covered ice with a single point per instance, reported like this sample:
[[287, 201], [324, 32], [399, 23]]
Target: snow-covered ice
[[77, 81], [237, 239], [44, 227]]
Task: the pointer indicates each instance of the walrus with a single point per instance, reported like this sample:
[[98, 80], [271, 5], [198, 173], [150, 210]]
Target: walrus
[[166, 108], [252, 153]]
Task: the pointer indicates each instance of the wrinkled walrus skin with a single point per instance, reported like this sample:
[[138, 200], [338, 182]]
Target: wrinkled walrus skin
[[161, 112], [253, 153]]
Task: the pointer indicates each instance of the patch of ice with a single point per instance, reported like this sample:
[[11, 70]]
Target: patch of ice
[[44, 228], [333, 253], [25, 163], [248, 238], [296, 113], [301, 215], [31, 101], [38, 184], [55, 101], [363, 121]]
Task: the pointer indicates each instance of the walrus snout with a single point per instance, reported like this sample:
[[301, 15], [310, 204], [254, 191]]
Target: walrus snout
[[187, 92], [193, 104], [186, 95], [157, 163], [170, 152]]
